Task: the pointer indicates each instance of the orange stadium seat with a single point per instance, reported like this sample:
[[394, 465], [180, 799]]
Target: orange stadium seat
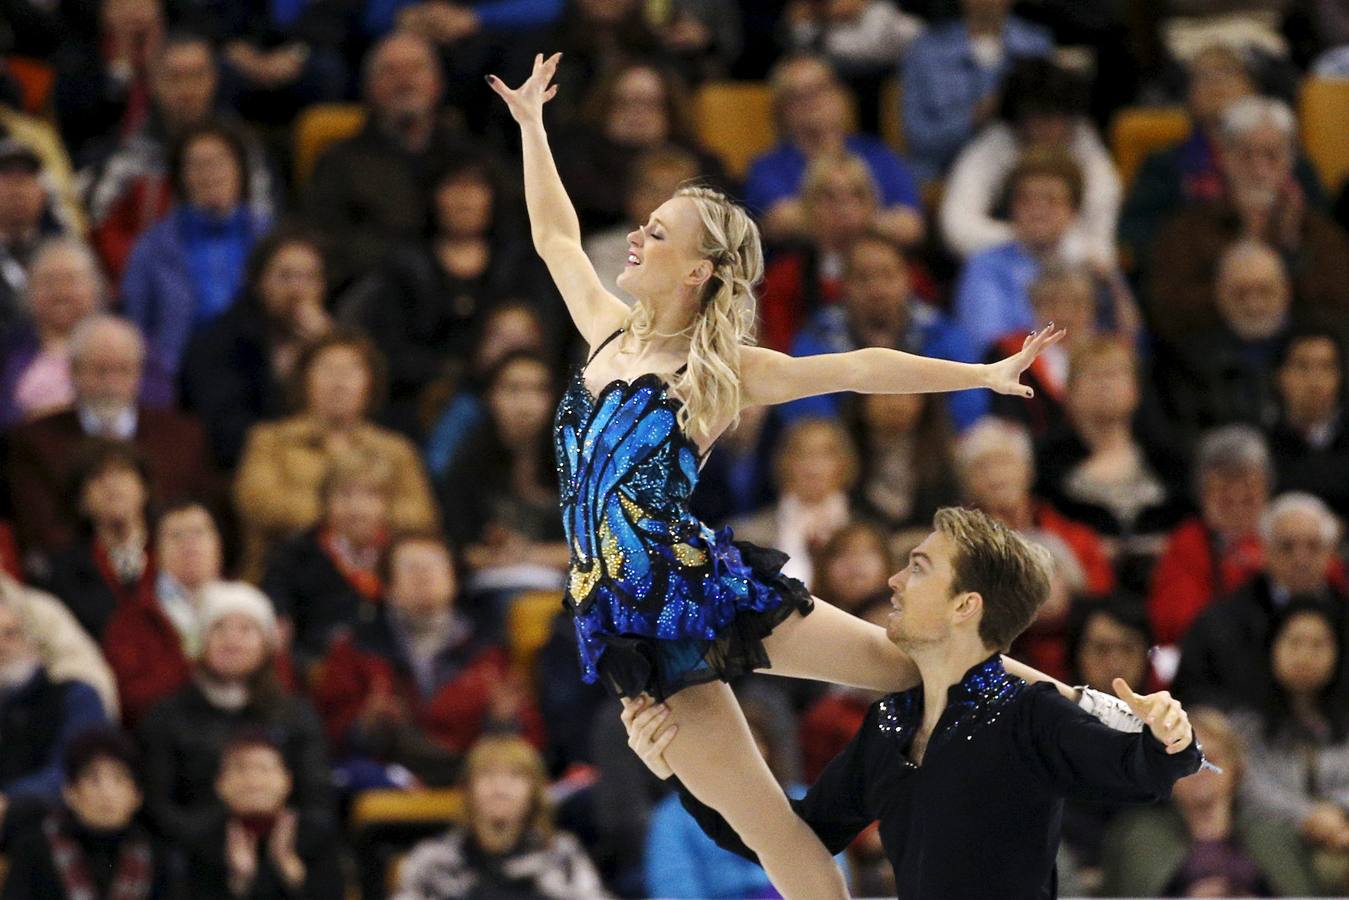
[[392, 807], [1323, 109], [529, 624], [735, 121], [318, 128], [1138, 131]]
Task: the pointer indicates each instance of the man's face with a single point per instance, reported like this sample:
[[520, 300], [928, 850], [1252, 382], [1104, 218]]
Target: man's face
[[253, 781], [421, 579], [105, 796], [21, 199], [404, 80], [1258, 164], [1216, 82], [107, 375], [1042, 210], [1232, 501], [189, 546], [876, 293], [1309, 380], [1254, 295], [921, 595], [1298, 552], [185, 83]]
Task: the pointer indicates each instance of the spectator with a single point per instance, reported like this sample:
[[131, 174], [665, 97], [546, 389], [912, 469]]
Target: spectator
[[1106, 639], [505, 329], [337, 384], [276, 61], [953, 74], [107, 365], [236, 368], [25, 219], [112, 563], [992, 293], [39, 718], [878, 308], [1298, 741], [1217, 661], [703, 38], [654, 176], [995, 468], [1262, 201], [1226, 373], [66, 649], [103, 83], [1308, 442], [1064, 294], [1206, 841], [417, 685], [501, 498], [853, 567], [394, 154], [58, 177], [262, 847], [839, 199], [635, 106], [1103, 468], [861, 39], [129, 187], [682, 861], [236, 684], [328, 579], [1043, 110], [64, 287], [1213, 553], [508, 845], [907, 448], [1044, 643], [188, 268], [811, 111], [815, 469], [424, 305], [1189, 172], [736, 476], [150, 643], [92, 845]]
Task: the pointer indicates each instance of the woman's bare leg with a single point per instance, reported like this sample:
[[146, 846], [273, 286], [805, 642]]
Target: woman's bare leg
[[715, 757], [838, 647]]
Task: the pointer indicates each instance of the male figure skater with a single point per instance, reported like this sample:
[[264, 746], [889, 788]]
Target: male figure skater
[[968, 772]]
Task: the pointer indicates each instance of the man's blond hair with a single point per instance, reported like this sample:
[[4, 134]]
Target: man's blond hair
[[992, 560]]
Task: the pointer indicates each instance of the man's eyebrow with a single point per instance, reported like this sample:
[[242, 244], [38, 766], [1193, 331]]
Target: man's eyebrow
[[915, 555]]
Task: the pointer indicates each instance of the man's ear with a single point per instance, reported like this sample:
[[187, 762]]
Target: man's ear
[[969, 606]]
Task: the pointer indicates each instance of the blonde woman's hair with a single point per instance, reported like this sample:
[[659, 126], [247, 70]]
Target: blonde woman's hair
[[710, 387]]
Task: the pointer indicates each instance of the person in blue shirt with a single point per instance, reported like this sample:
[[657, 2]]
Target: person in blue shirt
[[879, 310], [993, 292], [812, 110], [188, 268], [952, 75]]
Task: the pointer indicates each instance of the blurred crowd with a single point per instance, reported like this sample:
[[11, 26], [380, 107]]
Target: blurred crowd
[[279, 537]]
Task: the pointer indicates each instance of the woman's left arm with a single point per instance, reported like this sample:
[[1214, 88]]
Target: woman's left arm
[[770, 377]]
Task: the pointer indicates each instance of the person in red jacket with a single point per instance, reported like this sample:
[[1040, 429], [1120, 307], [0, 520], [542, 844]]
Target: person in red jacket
[[1216, 552], [418, 684], [995, 467]]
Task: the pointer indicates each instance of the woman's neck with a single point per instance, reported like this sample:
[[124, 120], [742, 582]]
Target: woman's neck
[[1102, 434], [1210, 821], [52, 340], [1305, 708], [497, 837], [463, 256], [121, 532]]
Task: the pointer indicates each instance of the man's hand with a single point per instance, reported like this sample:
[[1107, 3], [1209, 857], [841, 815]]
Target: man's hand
[[1162, 713], [649, 732]]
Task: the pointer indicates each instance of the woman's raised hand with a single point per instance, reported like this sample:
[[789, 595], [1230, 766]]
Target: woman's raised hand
[[1004, 376], [526, 101]]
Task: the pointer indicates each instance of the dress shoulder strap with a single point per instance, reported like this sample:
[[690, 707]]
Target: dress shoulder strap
[[602, 344], [682, 369]]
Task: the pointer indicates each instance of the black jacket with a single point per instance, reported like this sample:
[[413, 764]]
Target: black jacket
[[33, 875], [980, 817], [307, 588], [1322, 471]]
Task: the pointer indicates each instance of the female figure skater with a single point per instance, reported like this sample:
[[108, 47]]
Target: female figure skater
[[662, 604]]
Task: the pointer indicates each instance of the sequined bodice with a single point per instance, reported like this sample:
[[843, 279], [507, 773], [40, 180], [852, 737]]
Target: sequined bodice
[[626, 471]]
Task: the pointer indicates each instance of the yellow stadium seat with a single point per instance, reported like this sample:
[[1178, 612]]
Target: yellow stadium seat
[[1323, 109], [318, 128], [392, 807], [892, 114], [735, 121], [529, 624], [1138, 131]]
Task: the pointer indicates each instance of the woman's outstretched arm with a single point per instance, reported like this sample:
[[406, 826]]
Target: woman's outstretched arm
[[552, 219], [770, 377]]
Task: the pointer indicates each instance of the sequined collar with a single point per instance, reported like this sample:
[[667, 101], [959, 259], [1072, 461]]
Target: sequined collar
[[977, 700]]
